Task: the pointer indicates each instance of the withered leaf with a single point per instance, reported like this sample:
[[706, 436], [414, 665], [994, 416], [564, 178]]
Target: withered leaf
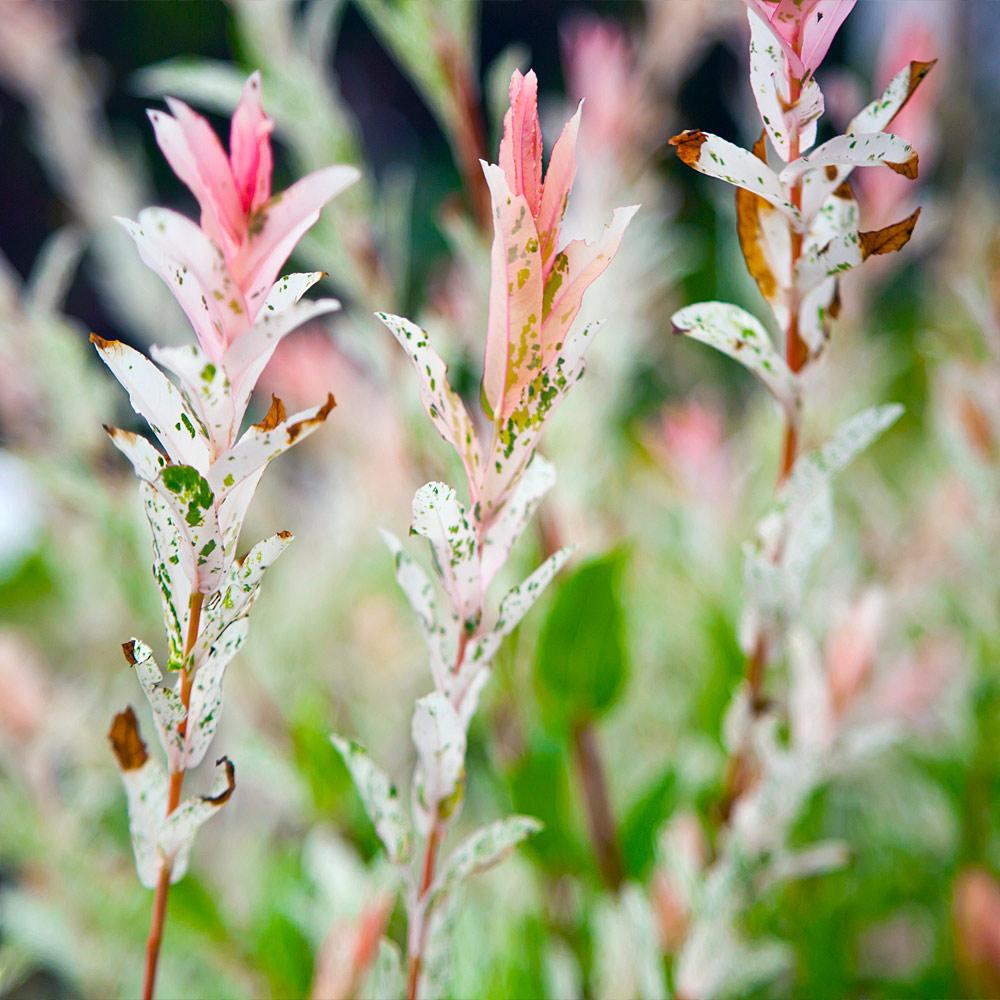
[[294, 430], [891, 238], [223, 796], [688, 145], [274, 416], [907, 169], [748, 209], [126, 742]]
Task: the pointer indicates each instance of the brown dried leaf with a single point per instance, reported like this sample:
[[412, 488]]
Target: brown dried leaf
[[891, 238], [294, 430], [908, 169], [126, 742], [748, 209], [274, 416], [223, 796], [688, 144]]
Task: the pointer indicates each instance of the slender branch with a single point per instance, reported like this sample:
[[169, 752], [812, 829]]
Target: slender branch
[[600, 819], [173, 800], [796, 355]]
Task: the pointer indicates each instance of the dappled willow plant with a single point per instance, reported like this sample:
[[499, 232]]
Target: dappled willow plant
[[534, 355], [197, 489], [799, 230]]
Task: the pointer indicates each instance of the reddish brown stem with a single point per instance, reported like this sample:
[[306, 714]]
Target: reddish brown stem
[[173, 800], [600, 820]]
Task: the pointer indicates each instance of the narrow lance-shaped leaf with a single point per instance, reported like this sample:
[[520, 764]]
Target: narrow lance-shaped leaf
[[419, 591], [708, 154], [168, 710], [537, 480], [439, 736], [380, 799], [482, 850], [442, 520], [442, 404], [180, 827], [734, 332]]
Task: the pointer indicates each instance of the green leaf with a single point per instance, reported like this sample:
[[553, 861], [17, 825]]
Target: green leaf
[[642, 824], [582, 660]]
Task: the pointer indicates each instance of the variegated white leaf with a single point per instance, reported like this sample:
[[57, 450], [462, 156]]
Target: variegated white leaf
[[443, 405], [385, 981], [380, 799], [168, 710], [487, 847], [439, 516], [815, 468], [736, 333], [538, 478], [146, 460], [205, 705], [439, 637], [708, 154], [514, 606], [205, 386], [863, 149], [262, 443], [439, 736], [179, 829], [158, 401], [516, 437]]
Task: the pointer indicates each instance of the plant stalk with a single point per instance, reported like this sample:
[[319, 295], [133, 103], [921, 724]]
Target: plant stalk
[[173, 800], [600, 820]]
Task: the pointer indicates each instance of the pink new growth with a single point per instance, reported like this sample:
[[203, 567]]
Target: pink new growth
[[253, 231], [535, 292], [804, 29]]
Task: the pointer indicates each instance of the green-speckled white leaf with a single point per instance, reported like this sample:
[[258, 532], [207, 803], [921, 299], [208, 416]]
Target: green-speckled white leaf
[[768, 80], [259, 446], [439, 736], [815, 468], [146, 460], [146, 791], [168, 710], [708, 154], [483, 849], [380, 799], [238, 591], [283, 311], [158, 401], [439, 636], [734, 332], [439, 516], [441, 402], [864, 149], [205, 706], [178, 830], [205, 386], [538, 478], [514, 606]]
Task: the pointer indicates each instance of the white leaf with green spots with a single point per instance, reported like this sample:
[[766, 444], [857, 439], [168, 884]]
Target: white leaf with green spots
[[178, 830], [538, 478], [514, 606], [439, 736], [442, 403], [205, 706], [736, 333], [205, 386], [168, 710], [146, 791], [515, 438], [439, 637], [440, 517], [482, 850], [863, 149], [158, 401], [380, 799], [260, 445]]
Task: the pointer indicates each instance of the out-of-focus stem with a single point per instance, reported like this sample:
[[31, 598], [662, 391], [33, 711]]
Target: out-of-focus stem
[[600, 819], [173, 800], [796, 356]]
